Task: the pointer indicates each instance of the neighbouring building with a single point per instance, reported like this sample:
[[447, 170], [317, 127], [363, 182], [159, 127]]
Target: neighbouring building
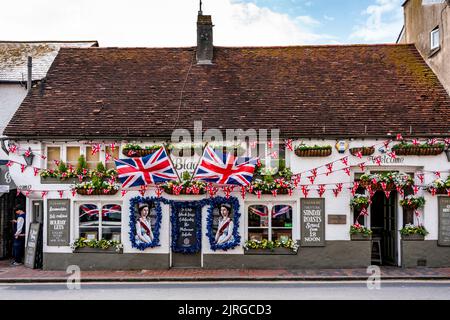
[[15, 69], [427, 25], [340, 110]]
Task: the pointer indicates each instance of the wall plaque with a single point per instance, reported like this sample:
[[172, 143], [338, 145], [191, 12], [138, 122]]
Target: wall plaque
[[444, 221], [337, 219], [58, 222], [312, 222]]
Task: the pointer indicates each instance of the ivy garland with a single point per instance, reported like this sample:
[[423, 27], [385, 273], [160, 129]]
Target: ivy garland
[[214, 203], [175, 207], [133, 204]]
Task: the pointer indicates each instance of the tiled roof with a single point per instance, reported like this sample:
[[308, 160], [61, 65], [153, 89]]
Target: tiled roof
[[306, 91], [13, 58]]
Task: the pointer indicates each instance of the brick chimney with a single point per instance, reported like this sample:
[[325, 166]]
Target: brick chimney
[[204, 39]]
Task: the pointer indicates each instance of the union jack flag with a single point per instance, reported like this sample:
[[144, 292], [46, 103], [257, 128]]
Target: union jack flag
[[90, 212], [152, 169], [225, 168], [281, 210]]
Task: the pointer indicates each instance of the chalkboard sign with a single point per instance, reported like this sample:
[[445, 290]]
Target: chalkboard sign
[[186, 228], [312, 222], [32, 242], [444, 221], [58, 222]]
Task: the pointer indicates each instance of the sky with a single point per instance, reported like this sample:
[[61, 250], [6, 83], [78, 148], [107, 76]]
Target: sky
[[171, 23]]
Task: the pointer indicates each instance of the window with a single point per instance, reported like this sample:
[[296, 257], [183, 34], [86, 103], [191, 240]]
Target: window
[[115, 155], [53, 154], [434, 36], [73, 153], [276, 226], [92, 160], [106, 225]]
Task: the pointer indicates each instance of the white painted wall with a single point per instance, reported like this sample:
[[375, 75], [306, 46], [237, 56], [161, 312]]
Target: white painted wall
[[11, 96], [333, 205]]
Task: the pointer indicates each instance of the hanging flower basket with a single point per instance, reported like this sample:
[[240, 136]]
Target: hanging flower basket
[[390, 179], [315, 151], [96, 192], [413, 202], [135, 153], [365, 151], [403, 149]]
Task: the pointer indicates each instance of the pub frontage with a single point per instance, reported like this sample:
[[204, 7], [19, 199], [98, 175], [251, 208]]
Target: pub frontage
[[349, 145]]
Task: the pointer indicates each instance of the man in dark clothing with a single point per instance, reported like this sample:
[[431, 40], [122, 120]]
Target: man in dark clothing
[[19, 235]]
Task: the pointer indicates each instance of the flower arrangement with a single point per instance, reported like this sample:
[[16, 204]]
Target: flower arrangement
[[266, 180], [439, 186], [357, 229], [271, 245], [100, 244], [386, 181], [313, 151], [97, 186], [62, 172], [410, 229], [135, 150], [424, 149], [185, 186], [359, 202], [413, 202]]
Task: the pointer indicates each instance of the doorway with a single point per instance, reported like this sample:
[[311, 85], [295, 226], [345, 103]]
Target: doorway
[[7, 203], [383, 222]]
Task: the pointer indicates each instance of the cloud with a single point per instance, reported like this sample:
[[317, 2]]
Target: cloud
[[153, 23], [383, 24]]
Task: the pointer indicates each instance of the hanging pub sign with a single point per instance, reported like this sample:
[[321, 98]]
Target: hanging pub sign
[[444, 221], [186, 227], [58, 223], [312, 222]]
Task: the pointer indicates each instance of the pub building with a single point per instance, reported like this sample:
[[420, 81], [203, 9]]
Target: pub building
[[366, 125]]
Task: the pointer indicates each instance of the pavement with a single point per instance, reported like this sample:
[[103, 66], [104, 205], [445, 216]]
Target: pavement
[[21, 274]]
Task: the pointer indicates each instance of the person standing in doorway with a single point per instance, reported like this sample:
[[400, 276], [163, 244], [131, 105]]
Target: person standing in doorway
[[19, 235]]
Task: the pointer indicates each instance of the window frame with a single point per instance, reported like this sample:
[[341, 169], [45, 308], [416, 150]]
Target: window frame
[[433, 45], [270, 205], [100, 227]]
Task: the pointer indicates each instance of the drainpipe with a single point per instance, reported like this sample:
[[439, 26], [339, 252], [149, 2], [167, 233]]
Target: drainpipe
[[30, 67]]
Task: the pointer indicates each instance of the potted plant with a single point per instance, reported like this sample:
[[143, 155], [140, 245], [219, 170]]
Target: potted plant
[[97, 186], [186, 186], [365, 151], [277, 247], [83, 245], [359, 202], [424, 149], [359, 232], [413, 202], [62, 174], [313, 151], [411, 232]]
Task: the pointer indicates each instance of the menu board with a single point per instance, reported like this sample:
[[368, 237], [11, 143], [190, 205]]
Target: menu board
[[312, 222], [444, 221], [32, 241], [186, 229], [58, 222]]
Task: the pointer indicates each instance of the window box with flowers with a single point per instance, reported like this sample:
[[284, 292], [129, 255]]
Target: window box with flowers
[[268, 247], [102, 183], [386, 181], [360, 233], [185, 186], [269, 181], [425, 149], [365, 151], [313, 151], [439, 186], [133, 150], [413, 202], [411, 232], [83, 245]]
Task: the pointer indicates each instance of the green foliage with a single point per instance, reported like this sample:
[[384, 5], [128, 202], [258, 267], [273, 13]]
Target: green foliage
[[359, 201], [413, 202], [62, 167], [412, 229], [186, 176], [405, 145], [101, 168], [271, 245], [314, 147], [100, 244], [82, 164], [359, 229]]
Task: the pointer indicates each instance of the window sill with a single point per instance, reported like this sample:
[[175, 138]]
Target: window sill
[[275, 252], [433, 52], [97, 250]]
